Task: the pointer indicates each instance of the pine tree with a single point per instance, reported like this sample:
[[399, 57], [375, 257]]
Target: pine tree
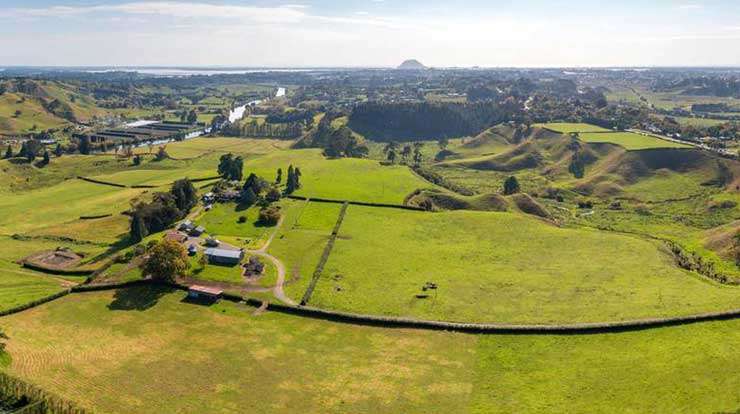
[[138, 229], [9, 152], [47, 158], [511, 186], [279, 177], [290, 184], [248, 197], [58, 151]]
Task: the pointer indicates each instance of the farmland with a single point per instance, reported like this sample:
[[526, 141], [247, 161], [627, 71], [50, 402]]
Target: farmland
[[630, 141], [490, 267], [482, 213], [109, 340]]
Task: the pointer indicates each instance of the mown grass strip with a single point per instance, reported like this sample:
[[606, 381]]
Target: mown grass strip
[[325, 255]]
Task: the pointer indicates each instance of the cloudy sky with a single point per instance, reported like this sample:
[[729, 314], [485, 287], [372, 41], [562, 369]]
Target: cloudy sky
[[532, 33]]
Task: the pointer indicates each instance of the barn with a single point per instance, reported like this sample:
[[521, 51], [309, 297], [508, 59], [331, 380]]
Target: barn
[[224, 256]]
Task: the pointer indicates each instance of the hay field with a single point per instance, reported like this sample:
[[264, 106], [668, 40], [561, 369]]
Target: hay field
[[145, 351]]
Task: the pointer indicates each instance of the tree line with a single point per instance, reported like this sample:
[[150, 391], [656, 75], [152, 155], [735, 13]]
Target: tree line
[[163, 211]]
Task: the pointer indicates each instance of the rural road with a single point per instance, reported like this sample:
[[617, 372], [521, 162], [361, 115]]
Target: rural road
[[278, 290]]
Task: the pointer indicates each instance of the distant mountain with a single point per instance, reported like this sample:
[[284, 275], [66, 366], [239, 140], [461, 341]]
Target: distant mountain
[[412, 64]]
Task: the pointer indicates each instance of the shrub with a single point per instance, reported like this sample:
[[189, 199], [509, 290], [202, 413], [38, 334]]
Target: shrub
[[242, 219], [270, 216], [585, 203], [642, 210]]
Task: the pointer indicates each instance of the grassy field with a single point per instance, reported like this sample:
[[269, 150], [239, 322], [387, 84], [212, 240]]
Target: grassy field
[[566, 127], [19, 285], [504, 267], [59, 208], [630, 141], [145, 351], [682, 369], [301, 240], [343, 179], [32, 118]]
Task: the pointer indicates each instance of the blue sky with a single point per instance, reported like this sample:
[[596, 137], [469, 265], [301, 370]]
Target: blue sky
[[532, 33]]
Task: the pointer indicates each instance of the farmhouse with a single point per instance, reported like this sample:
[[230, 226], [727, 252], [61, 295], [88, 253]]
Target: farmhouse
[[197, 292], [224, 257]]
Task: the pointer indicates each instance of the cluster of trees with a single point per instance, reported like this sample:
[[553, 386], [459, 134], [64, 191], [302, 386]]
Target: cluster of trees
[[336, 141], [32, 149], [407, 153], [231, 167], [670, 125], [280, 116], [416, 120], [253, 128], [164, 210]]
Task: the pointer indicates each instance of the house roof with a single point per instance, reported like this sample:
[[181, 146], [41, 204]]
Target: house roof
[[206, 290], [232, 254]]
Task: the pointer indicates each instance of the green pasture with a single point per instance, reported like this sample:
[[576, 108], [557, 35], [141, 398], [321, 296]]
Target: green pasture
[[33, 117], [343, 179], [682, 369], [504, 267], [144, 350], [569, 127], [630, 141], [19, 285], [300, 241], [62, 205]]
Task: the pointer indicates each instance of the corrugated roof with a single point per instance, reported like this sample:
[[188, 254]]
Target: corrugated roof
[[206, 289]]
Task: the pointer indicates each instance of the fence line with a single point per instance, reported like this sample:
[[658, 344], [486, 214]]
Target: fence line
[[325, 255]]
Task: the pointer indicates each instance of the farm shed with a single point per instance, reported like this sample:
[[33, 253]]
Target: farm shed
[[224, 256], [186, 226], [198, 292]]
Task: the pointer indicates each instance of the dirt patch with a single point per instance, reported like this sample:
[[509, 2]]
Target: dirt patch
[[59, 259]]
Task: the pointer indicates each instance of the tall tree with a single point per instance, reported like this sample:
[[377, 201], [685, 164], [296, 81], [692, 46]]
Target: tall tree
[[511, 186], [279, 177], [167, 260], [138, 228], [186, 197], [192, 117], [58, 151], [8, 152], [406, 153], [224, 165], [47, 159], [84, 146]]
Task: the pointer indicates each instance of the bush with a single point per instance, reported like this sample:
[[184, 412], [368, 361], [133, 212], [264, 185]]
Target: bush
[[242, 219], [585, 203], [642, 210], [270, 216]]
